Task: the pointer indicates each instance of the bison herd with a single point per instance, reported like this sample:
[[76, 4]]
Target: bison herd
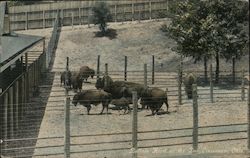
[[118, 93]]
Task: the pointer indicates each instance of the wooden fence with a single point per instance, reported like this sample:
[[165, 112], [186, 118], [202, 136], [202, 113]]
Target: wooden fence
[[19, 92], [15, 99], [80, 12]]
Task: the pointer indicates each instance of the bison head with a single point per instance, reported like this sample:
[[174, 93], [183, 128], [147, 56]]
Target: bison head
[[104, 83], [99, 83], [75, 99], [92, 73]]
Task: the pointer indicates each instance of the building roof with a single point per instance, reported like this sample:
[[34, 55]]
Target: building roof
[[12, 45]]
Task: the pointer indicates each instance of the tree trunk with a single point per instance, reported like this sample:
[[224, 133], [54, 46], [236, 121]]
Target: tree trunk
[[217, 71], [205, 68]]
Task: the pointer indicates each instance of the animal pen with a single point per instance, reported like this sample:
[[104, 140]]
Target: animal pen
[[23, 115]]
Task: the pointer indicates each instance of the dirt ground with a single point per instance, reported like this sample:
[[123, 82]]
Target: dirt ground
[[138, 41]]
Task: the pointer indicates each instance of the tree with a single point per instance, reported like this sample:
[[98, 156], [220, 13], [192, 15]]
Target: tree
[[102, 15], [206, 29]]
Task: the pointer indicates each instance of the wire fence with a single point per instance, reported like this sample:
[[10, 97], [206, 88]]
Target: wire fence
[[19, 143]]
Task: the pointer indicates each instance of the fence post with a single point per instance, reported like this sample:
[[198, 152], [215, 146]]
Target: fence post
[[67, 114], [16, 104], [48, 53], [72, 20], [139, 14], [133, 10], [145, 75], [98, 67], [11, 112], [195, 118], [248, 116], [43, 58], [44, 19], [106, 69], [243, 86], [115, 12], [125, 69], [153, 69], [80, 19], [6, 109], [167, 5], [62, 16], [23, 94], [21, 97], [89, 15], [26, 78], [211, 83], [123, 15], [134, 124], [180, 85], [150, 10], [26, 21], [67, 128]]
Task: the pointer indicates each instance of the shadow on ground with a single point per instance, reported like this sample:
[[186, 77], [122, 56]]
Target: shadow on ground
[[110, 33]]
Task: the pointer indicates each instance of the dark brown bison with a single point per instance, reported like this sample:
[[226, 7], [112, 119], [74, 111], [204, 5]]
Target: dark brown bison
[[63, 79], [119, 89], [121, 103], [86, 72], [154, 99], [95, 97], [189, 80], [76, 81]]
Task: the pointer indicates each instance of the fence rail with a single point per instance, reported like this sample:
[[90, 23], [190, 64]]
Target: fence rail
[[80, 12]]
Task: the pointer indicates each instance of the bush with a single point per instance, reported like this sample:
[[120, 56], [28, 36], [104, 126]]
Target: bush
[[102, 15]]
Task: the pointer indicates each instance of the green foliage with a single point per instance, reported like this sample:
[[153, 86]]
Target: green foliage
[[102, 15], [204, 28]]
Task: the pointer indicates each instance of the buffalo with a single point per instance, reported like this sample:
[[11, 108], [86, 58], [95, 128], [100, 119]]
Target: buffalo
[[63, 78], [119, 89], [95, 97], [154, 99], [121, 103], [76, 81], [189, 80], [86, 72], [150, 97]]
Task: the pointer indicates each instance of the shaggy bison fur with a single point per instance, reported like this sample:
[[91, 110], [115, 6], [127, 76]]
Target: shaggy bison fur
[[154, 99], [86, 72], [121, 103]]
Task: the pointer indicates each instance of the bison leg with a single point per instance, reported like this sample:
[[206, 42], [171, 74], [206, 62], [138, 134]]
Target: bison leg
[[107, 107], [167, 105], [88, 108], [103, 106], [129, 110], [119, 110], [152, 110], [125, 109]]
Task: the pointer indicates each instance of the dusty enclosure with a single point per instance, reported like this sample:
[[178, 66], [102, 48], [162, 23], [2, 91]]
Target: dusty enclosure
[[138, 41]]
